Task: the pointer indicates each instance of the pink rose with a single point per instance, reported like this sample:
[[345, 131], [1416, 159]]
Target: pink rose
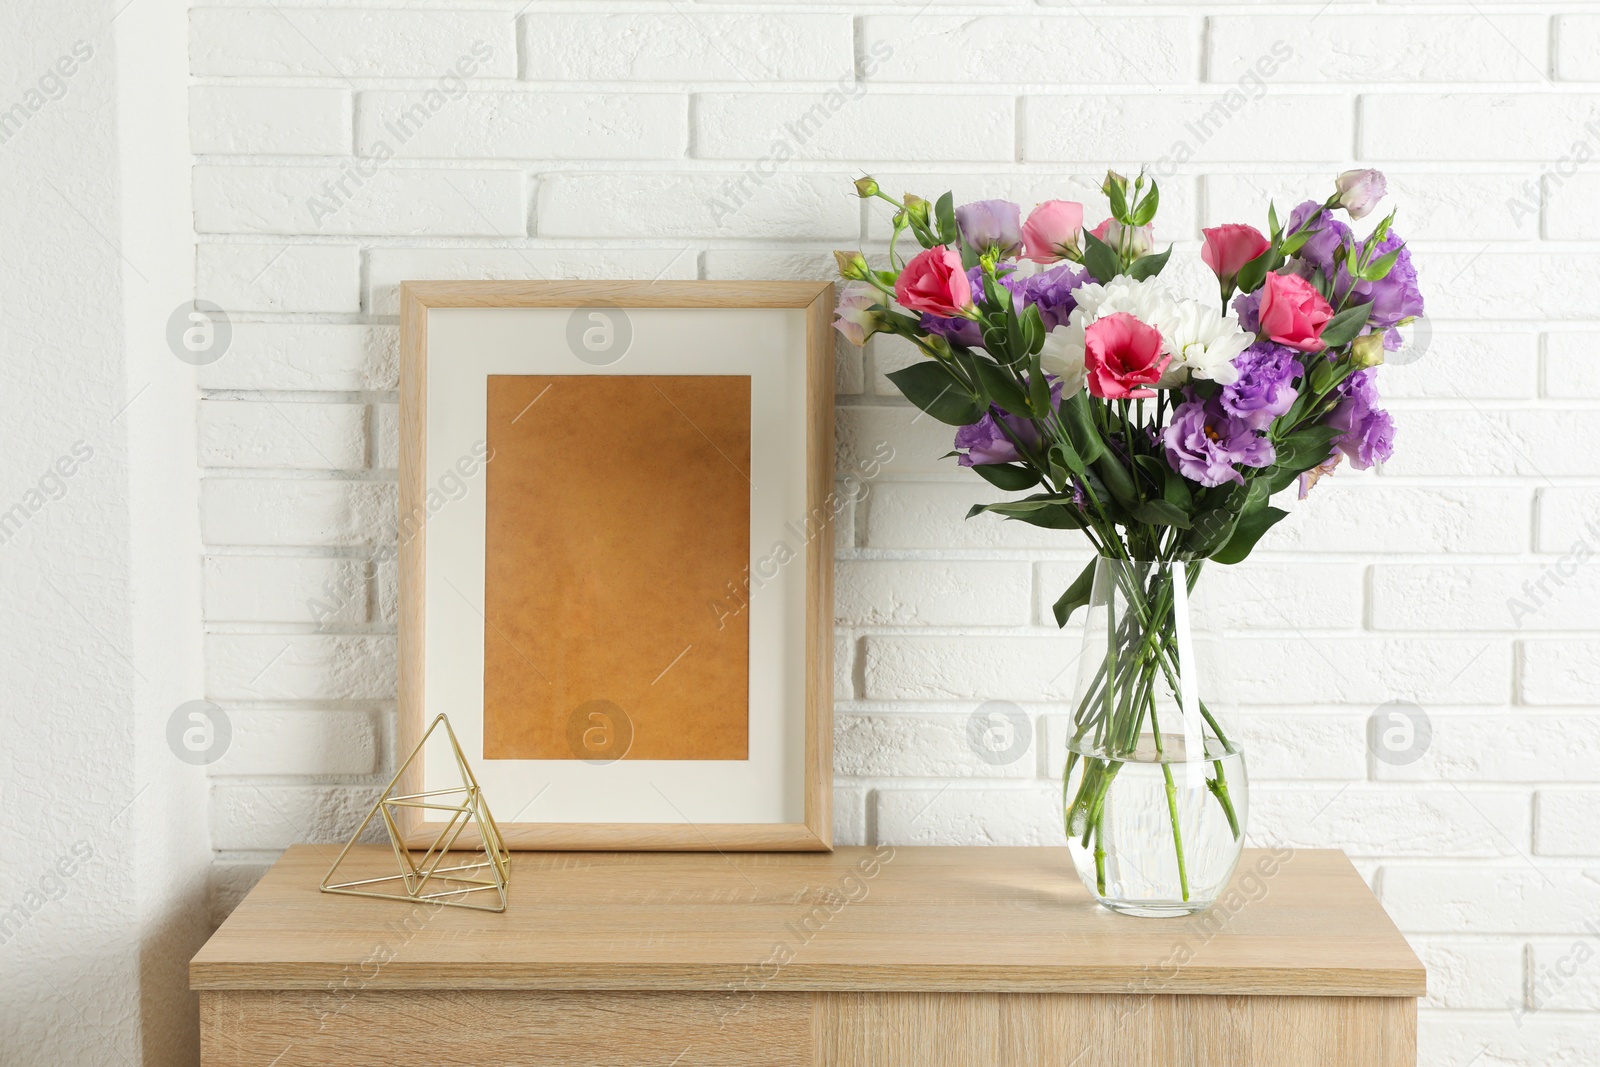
[[1121, 354], [934, 282], [1053, 228], [1293, 313], [1141, 239], [1230, 247]]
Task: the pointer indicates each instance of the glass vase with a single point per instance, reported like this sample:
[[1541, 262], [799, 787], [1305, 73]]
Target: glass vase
[[1155, 795]]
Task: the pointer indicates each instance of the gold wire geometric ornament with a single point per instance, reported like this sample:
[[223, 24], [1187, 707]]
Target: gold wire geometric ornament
[[423, 879]]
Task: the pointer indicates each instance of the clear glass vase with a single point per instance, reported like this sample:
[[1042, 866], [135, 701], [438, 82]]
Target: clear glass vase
[[1155, 794]]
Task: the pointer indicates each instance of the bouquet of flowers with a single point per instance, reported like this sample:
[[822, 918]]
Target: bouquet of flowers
[[1158, 424]]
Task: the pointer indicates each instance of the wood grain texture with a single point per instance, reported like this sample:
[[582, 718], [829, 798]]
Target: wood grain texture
[[821, 503], [814, 833], [922, 920], [1111, 1030], [659, 294], [352, 1027]]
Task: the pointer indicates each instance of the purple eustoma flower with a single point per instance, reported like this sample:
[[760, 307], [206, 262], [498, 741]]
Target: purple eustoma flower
[[1330, 234], [1367, 431], [1051, 292], [1204, 442], [986, 442], [1395, 296], [957, 331], [987, 224], [1265, 388], [1247, 306]]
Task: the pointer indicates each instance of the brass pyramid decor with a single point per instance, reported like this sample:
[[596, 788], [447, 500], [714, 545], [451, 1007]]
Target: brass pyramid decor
[[422, 878]]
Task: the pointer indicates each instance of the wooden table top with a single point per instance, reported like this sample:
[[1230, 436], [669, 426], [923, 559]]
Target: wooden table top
[[916, 919]]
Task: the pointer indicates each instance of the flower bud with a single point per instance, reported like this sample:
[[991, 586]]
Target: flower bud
[[1358, 191], [866, 188], [1367, 350], [1131, 241], [852, 265], [1114, 180], [854, 317], [919, 209]]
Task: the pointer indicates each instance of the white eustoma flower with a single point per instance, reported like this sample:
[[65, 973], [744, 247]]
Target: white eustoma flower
[[1202, 342]]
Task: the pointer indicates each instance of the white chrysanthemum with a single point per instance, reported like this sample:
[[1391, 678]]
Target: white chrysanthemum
[[1202, 342], [1146, 300], [1063, 358], [1026, 268]]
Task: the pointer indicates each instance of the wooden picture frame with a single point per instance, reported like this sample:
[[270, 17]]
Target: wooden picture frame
[[808, 766]]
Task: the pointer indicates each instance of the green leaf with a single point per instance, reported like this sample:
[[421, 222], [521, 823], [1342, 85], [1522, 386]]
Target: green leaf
[[1016, 340], [1080, 426], [1118, 480], [1175, 490], [1322, 376], [1054, 517], [1296, 241], [1280, 478], [944, 212], [1076, 596], [1001, 388], [1153, 468], [1146, 211], [1101, 259], [1379, 268], [1119, 201], [994, 342], [1254, 493], [1033, 329], [1149, 266], [1253, 273], [934, 389], [1038, 390], [1161, 513], [1210, 530], [995, 293], [1252, 524], [1011, 477], [1272, 220], [1047, 513], [1066, 456], [1306, 448], [1343, 327]]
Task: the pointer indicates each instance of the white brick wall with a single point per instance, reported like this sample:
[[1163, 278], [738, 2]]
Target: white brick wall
[[343, 149]]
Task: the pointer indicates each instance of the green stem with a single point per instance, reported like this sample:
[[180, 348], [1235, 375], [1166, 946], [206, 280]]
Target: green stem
[[1099, 858], [1172, 808]]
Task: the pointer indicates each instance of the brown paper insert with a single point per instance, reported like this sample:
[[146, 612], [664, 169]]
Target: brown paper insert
[[618, 511]]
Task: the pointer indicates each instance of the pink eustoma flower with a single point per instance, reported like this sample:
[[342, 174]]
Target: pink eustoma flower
[[1293, 313], [1141, 239], [854, 317], [1230, 247], [1053, 228], [1122, 355], [934, 282]]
